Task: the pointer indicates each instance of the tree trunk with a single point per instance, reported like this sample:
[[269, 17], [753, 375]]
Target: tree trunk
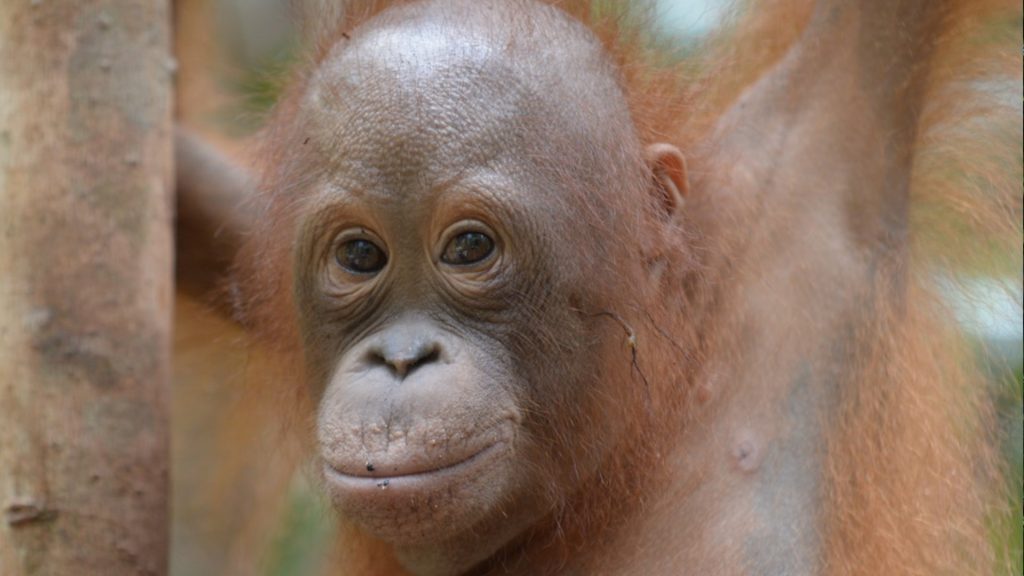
[[85, 286]]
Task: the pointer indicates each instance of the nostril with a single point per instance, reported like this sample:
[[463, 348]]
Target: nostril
[[433, 355], [404, 361], [375, 357]]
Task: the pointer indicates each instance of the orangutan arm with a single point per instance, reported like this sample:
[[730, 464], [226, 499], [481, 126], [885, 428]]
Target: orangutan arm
[[212, 213], [804, 198], [835, 122]]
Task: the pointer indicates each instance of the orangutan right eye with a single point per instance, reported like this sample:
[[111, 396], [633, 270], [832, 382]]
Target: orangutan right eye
[[360, 256]]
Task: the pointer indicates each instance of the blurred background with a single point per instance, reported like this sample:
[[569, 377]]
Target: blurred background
[[237, 507]]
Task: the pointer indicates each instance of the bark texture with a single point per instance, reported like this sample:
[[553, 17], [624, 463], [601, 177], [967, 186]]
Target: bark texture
[[85, 286]]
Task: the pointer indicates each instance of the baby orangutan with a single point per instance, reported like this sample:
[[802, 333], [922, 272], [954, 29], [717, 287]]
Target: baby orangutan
[[541, 341]]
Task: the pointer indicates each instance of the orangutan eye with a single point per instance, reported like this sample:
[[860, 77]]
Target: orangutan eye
[[467, 248], [360, 256]]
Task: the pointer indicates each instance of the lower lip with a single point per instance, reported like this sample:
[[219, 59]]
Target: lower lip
[[414, 483]]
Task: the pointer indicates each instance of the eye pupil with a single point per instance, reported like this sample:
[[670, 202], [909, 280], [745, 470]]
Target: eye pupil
[[361, 257], [468, 248]]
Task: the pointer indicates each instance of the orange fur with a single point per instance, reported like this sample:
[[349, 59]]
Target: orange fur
[[913, 482], [910, 471]]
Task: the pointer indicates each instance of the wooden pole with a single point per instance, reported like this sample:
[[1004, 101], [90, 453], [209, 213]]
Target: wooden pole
[[85, 286]]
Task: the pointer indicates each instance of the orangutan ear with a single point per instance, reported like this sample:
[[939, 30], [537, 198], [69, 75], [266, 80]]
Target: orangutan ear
[[668, 169]]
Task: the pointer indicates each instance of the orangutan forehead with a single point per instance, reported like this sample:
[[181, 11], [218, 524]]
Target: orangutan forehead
[[415, 53], [431, 73], [407, 63], [472, 31], [455, 54], [397, 103], [413, 95]]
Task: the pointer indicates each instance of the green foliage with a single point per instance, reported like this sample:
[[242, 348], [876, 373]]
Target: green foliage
[[255, 90], [304, 537], [1008, 534]]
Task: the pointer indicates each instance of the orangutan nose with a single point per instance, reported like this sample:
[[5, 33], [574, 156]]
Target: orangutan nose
[[402, 353]]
